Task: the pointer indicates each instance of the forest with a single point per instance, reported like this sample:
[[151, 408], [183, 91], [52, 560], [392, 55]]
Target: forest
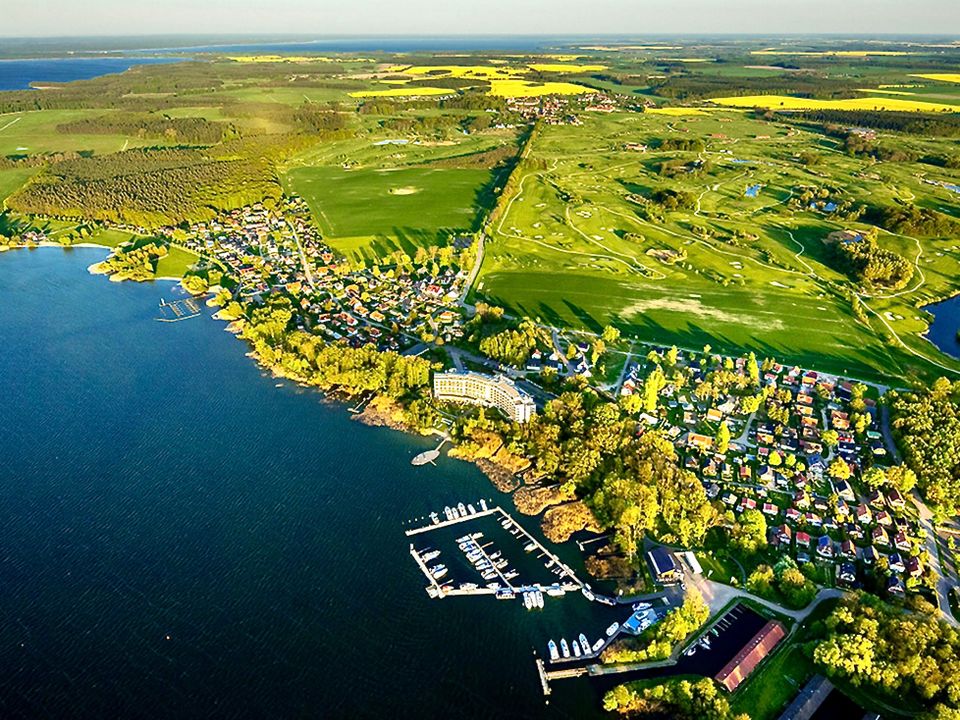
[[926, 423]]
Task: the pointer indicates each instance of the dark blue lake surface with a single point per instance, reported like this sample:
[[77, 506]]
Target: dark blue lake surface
[[183, 539], [945, 326], [18, 74]]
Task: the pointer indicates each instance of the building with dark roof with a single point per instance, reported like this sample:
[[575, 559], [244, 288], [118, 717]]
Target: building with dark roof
[[664, 566], [743, 663], [810, 698]]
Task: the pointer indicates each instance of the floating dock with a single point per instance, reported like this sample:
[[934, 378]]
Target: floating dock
[[178, 310], [573, 584]]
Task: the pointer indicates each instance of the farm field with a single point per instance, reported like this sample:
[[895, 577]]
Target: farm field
[[788, 102], [732, 270], [36, 132], [371, 212]]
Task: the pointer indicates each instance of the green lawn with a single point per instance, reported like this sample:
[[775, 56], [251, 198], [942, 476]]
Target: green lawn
[[374, 211], [12, 179], [175, 263]]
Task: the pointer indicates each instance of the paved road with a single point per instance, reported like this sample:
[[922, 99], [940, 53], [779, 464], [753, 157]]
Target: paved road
[[946, 579], [719, 595]]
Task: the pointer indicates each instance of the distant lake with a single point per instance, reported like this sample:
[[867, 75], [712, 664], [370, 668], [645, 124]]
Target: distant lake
[[946, 324], [18, 74], [184, 539], [383, 44]]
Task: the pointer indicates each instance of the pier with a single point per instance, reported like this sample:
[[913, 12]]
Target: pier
[[429, 455], [572, 584], [178, 310]]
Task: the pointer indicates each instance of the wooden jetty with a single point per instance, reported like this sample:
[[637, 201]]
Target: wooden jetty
[[178, 310]]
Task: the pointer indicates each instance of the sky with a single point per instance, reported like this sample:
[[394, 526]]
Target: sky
[[35, 18]]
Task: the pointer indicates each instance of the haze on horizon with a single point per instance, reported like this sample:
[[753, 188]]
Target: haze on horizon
[[46, 18]]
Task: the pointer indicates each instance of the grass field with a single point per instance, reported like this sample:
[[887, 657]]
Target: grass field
[[12, 179], [175, 263], [572, 250], [412, 91], [372, 212], [36, 132]]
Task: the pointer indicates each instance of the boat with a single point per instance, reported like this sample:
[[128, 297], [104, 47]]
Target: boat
[[432, 555], [468, 586], [642, 606], [538, 596], [463, 539], [454, 515], [472, 509], [588, 594], [612, 630], [505, 523], [583, 643], [605, 600], [483, 505], [526, 600], [446, 587], [597, 645], [691, 651], [556, 591], [552, 648], [716, 633], [477, 535], [576, 648], [463, 509], [564, 648], [493, 586], [505, 594], [434, 518], [446, 511], [501, 564], [510, 574], [438, 572], [496, 555], [530, 547], [549, 564], [488, 575]]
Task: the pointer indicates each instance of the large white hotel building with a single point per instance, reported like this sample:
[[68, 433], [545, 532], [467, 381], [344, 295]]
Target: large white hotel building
[[477, 389]]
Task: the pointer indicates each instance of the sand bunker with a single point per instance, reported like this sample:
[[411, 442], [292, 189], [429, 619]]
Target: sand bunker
[[408, 190]]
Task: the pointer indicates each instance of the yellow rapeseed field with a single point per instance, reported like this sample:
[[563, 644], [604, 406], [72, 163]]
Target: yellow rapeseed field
[[940, 77], [787, 102], [522, 88], [486, 72]]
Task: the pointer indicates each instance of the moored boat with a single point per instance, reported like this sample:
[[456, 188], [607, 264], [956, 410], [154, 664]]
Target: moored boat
[[552, 648]]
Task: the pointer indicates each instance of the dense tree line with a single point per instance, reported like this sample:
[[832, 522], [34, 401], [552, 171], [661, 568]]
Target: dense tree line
[[187, 129], [690, 86], [679, 144], [925, 124], [926, 423], [678, 699], [871, 265], [876, 646], [338, 367], [155, 187], [514, 346], [913, 220]]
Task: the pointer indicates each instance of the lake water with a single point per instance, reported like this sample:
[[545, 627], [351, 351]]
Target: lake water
[[183, 539], [18, 74], [945, 326]]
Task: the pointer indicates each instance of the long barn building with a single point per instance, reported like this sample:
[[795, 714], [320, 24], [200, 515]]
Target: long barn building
[[743, 663]]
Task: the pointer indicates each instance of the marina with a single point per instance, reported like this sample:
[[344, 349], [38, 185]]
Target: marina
[[177, 310]]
